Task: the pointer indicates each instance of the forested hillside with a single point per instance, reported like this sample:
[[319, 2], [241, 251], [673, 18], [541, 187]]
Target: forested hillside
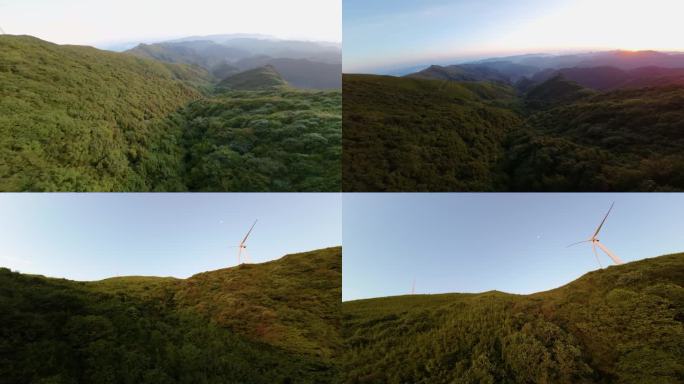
[[276, 140], [276, 322], [624, 140], [623, 324], [80, 119], [417, 134], [76, 118], [412, 134]]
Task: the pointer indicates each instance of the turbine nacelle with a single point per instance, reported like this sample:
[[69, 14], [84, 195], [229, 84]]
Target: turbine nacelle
[[594, 240], [242, 247]]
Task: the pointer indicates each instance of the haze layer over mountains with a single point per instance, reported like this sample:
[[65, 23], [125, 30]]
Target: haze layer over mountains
[[303, 64], [598, 70]]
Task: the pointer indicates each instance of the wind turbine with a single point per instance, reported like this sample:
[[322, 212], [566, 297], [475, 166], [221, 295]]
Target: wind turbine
[[413, 287], [596, 242], [242, 247]]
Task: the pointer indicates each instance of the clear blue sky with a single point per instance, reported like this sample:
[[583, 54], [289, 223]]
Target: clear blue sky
[[98, 22], [386, 34], [94, 236], [509, 242]]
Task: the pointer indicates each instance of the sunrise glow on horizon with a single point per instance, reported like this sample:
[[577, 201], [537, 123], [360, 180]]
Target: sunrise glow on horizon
[[403, 33]]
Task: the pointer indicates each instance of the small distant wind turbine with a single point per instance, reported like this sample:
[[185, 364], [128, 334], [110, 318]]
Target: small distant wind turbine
[[242, 247], [595, 241]]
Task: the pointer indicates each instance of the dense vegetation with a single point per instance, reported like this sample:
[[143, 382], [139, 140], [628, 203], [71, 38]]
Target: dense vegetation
[[79, 119], [623, 324], [275, 140], [75, 118], [624, 140], [269, 323], [415, 134], [424, 135]]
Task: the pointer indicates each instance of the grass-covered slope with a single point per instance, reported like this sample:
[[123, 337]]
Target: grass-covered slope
[[424, 135], [623, 324], [75, 118], [276, 322]]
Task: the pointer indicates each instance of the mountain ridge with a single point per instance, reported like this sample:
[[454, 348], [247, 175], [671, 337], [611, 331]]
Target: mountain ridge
[[618, 324], [304, 64], [153, 330]]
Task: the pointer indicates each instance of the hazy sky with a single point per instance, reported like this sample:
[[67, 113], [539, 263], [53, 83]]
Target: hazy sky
[[509, 242], [97, 22], [94, 236], [383, 34]]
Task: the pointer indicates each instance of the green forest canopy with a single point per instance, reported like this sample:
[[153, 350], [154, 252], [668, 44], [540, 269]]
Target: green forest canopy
[[412, 134], [79, 119], [276, 322], [623, 324]]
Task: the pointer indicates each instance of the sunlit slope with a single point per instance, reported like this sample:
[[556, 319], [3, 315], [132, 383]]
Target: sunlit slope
[[76, 118], [80, 119], [623, 324], [276, 322], [292, 303], [424, 135]]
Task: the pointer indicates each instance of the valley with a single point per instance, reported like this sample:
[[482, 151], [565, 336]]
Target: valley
[[76, 118], [610, 122]]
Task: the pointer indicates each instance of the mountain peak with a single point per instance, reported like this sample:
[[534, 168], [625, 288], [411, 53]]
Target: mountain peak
[[262, 78]]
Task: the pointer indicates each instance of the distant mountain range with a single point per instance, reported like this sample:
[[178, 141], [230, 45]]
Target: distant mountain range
[[600, 70], [303, 64], [622, 324], [276, 322]]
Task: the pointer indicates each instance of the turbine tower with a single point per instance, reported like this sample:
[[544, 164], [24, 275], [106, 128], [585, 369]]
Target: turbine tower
[[2, 31], [594, 240], [242, 247]]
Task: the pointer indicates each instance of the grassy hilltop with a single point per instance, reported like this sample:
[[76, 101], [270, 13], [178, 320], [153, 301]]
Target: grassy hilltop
[[276, 322], [623, 324], [79, 119], [438, 131]]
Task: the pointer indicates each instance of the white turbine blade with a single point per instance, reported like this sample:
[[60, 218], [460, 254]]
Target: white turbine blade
[[248, 232], [579, 242], [593, 246], [610, 254], [603, 221]]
